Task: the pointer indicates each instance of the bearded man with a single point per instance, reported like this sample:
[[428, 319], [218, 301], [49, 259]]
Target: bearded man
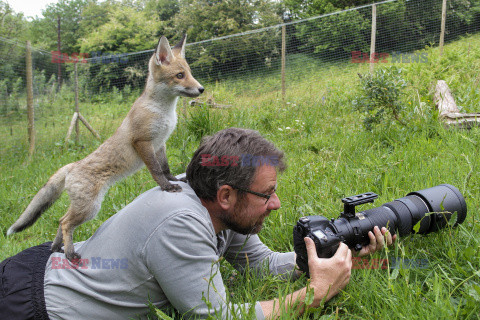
[[165, 247]]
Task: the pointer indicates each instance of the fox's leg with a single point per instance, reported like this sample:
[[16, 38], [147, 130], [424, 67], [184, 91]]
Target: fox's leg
[[85, 202], [157, 164], [68, 223], [162, 156], [57, 243]]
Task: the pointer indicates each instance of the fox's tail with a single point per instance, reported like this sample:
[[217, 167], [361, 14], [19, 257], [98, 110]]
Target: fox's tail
[[47, 195]]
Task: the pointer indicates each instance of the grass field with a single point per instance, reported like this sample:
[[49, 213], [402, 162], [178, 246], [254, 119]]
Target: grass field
[[329, 154]]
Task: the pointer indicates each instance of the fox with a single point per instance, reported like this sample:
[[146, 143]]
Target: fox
[[139, 140]]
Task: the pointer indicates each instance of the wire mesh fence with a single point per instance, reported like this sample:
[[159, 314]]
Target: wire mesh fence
[[401, 27]]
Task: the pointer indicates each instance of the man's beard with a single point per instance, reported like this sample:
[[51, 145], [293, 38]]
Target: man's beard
[[234, 220]]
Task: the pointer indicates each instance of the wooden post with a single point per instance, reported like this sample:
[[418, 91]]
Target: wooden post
[[31, 114], [59, 74], [70, 128], [373, 37], [442, 31], [284, 49], [77, 110], [77, 116]]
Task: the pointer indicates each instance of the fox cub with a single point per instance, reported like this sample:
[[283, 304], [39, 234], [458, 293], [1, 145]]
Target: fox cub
[[139, 140]]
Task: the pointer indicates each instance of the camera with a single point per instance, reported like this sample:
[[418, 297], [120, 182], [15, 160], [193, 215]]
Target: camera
[[420, 212]]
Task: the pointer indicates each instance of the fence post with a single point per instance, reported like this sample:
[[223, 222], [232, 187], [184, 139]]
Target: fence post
[[373, 37], [442, 31], [77, 110], [77, 116], [30, 108], [284, 49], [59, 71]]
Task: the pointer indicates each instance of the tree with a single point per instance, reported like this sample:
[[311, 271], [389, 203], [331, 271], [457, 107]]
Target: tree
[[12, 25], [13, 33], [44, 30], [311, 8], [204, 19], [128, 29]]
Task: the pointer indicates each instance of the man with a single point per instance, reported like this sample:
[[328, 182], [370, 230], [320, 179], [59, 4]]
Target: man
[[165, 247]]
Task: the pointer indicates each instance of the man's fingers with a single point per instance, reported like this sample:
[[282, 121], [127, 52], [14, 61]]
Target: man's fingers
[[388, 235], [311, 249], [342, 250], [373, 240], [379, 236]]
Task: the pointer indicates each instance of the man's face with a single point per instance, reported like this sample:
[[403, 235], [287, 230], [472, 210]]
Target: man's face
[[251, 210]]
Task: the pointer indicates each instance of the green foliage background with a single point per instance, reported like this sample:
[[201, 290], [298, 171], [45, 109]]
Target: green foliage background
[[330, 155], [320, 127], [115, 26]]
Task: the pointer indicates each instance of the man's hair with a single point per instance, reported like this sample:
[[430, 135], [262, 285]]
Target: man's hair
[[243, 150]]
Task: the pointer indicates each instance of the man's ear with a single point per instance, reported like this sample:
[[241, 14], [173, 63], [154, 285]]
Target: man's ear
[[226, 197], [163, 52]]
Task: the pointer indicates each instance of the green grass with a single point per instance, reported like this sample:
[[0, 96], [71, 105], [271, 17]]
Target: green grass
[[329, 156]]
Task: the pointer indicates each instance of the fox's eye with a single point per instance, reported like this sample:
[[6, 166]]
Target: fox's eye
[[180, 75]]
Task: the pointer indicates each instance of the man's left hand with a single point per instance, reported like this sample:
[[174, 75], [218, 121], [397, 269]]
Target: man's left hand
[[378, 238]]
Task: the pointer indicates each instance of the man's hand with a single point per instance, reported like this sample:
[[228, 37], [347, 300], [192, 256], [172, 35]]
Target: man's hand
[[328, 276], [378, 238]]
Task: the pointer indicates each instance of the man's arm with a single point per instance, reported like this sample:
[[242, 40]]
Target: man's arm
[[250, 250], [181, 255], [328, 277]]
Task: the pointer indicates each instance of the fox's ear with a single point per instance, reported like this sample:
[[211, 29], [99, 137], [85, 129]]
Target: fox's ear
[[163, 52], [180, 47]]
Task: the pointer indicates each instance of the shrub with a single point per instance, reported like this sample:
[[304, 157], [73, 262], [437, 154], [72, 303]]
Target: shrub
[[380, 96]]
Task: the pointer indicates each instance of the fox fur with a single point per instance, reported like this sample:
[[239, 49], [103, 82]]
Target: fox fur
[[139, 140]]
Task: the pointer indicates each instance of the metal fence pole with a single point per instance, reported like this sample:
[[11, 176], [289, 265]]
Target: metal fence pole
[[30, 107], [442, 32], [373, 37], [284, 49]]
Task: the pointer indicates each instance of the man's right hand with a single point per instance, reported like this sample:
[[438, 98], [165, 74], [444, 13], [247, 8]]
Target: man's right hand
[[328, 276]]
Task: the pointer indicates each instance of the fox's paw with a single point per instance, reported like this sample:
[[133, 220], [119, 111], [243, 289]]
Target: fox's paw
[[172, 188], [56, 247], [73, 256], [171, 177]]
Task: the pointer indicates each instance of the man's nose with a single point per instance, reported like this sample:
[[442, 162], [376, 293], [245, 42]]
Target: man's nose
[[274, 202]]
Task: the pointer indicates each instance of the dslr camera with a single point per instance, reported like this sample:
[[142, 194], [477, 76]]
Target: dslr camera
[[420, 212]]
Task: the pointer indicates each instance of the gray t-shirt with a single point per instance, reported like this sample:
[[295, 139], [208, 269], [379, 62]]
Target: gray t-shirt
[[162, 248]]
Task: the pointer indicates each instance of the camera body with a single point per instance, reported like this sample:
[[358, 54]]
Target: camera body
[[423, 211]]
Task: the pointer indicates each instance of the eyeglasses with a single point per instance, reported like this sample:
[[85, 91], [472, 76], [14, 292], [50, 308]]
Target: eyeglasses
[[263, 195]]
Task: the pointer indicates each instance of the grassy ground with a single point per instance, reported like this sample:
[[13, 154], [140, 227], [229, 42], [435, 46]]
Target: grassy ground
[[329, 155]]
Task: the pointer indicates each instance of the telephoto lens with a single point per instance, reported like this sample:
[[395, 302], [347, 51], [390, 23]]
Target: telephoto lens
[[421, 212]]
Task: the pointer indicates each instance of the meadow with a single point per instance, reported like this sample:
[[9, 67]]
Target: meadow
[[329, 154]]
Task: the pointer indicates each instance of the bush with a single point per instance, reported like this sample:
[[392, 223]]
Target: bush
[[380, 97]]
